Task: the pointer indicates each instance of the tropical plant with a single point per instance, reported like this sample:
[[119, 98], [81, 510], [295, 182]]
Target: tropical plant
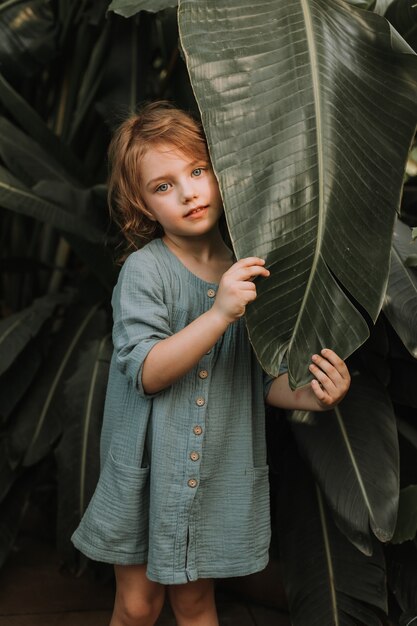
[[293, 145], [311, 186], [337, 476], [61, 92]]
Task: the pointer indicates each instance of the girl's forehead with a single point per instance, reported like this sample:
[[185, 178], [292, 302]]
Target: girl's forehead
[[168, 151], [164, 159]]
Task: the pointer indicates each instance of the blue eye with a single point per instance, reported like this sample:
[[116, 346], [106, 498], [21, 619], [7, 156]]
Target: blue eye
[[198, 171], [163, 187]]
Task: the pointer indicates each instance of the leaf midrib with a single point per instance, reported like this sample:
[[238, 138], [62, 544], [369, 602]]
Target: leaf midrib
[[328, 555], [355, 466], [311, 45]]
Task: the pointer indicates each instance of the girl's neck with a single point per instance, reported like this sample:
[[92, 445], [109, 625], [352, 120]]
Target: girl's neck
[[208, 257]]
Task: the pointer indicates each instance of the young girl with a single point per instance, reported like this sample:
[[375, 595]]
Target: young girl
[[183, 494]]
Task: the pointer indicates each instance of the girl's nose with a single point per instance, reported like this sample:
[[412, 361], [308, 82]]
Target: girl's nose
[[188, 191]]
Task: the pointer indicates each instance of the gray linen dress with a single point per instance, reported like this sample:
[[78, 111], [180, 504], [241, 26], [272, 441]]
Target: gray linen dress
[[184, 482]]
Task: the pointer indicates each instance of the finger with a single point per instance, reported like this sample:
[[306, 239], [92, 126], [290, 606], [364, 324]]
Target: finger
[[320, 393], [327, 367], [336, 361], [250, 260], [249, 272], [326, 383], [248, 291], [249, 296]]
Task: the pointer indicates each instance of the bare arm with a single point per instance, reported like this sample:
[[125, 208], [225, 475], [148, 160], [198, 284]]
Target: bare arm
[[174, 356], [328, 388]]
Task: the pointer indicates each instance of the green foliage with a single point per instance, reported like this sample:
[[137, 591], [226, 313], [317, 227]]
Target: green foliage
[[352, 475], [61, 93], [336, 583], [406, 529], [292, 144], [400, 302]]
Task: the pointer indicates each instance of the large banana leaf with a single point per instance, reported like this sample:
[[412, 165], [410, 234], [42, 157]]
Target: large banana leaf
[[309, 110], [77, 455], [353, 454], [400, 303], [328, 581]]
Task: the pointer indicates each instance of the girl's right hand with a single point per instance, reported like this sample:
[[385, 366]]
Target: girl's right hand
[[236, 288]]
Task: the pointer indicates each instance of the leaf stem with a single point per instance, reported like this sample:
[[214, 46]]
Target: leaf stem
[[328, 556]]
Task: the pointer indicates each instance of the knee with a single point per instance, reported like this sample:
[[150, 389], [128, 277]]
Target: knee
[[134, 610], [191, 603]]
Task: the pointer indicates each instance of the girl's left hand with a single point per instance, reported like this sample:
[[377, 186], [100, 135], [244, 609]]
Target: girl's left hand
[[332, 378]]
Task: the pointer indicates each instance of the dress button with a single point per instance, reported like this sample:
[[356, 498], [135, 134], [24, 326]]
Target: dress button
[[211, 293], [203, 373], [192, 483], [200, 401], [194, 456], [197, 430]]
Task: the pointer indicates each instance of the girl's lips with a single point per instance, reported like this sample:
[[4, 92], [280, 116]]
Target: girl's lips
[[197, 211]]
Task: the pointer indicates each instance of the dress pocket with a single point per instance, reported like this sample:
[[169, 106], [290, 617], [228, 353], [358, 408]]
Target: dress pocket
[[117, 517]]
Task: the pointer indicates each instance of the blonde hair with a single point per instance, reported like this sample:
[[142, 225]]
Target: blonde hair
[[156, 123]]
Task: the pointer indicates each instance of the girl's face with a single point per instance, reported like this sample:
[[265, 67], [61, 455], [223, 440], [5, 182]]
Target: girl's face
[[180, 192]]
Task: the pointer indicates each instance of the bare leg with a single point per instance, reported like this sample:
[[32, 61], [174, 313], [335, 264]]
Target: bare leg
[[193, 603], [138, 600]]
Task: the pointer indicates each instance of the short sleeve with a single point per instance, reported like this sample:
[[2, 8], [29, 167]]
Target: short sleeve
[[140, 315]]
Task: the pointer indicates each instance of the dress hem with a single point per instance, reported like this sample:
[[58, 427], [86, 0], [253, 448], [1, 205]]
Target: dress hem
[[179, 578], [104, 555], [164, 578]]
